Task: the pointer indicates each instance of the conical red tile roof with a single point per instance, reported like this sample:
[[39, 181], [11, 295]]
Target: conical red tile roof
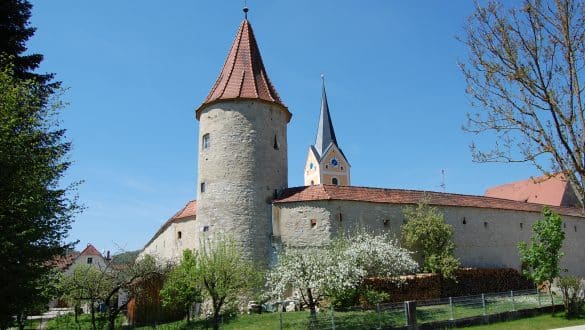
[[243, 75]]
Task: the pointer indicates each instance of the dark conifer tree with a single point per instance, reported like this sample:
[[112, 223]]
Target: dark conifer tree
[[36, 210], [15, 31]]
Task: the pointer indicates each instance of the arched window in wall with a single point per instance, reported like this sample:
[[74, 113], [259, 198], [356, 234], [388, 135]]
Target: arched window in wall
[[334, 181]]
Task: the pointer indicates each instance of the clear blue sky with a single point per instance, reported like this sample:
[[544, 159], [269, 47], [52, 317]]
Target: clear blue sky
[[136, 71]]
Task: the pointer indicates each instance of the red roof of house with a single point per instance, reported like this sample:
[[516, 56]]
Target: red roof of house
[[401, 196], [189, 210], [62, 262], [243, 75], [90, 250], [549, 190]]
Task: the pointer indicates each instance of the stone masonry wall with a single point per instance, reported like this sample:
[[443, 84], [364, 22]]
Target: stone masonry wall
[[484, 238], [168, 246], [242, 169]]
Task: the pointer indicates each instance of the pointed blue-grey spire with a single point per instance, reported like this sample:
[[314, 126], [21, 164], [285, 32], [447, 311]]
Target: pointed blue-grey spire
[[325, 132]]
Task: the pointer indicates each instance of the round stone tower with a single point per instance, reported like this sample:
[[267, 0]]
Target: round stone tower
[[242, 150]]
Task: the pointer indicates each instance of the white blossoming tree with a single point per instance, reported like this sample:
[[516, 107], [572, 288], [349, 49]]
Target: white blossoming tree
[[319, 271]]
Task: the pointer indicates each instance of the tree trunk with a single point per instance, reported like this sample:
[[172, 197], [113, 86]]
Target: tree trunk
[[92, 310], [216, 312], [551, 296], [21, 320], [312, 303]]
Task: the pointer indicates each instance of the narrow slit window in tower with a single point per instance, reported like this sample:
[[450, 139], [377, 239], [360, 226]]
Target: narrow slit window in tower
[[179, 235], [275, 143], [205, 141], [202, 187]]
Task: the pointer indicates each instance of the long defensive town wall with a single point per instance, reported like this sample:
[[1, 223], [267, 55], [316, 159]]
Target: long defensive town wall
[[484, 238]]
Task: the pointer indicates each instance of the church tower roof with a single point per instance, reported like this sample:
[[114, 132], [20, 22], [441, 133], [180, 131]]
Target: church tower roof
[[243, 75], [325, 132]]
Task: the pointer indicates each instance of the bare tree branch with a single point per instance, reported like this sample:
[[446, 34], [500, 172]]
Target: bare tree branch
[[524, 70]]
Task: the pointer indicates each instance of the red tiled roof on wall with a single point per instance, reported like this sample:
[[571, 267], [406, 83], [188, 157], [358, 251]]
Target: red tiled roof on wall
[[401, 196], [189, 210], [549, 190], [243, 75]]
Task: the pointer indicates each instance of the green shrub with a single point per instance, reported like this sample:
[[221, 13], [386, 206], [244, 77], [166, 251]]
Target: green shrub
[[572, 290]]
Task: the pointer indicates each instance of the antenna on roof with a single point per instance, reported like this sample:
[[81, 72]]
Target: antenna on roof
[[443, 185]]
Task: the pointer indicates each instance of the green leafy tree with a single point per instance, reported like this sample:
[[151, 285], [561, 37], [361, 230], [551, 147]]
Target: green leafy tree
[[35, 210], [525, 71], [541, 258], [573, 289], [86, 284], [181, 288], [223, 273], [426, 233]]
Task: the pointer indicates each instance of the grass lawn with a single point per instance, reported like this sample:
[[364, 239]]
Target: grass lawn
[[546, 321], [296, 320], [67, 322], [31, 324]]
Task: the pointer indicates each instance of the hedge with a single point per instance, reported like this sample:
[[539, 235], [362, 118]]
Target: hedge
[[469, 281]]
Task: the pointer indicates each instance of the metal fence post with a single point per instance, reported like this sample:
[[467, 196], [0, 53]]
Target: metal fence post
[[452, 310], [281, 308], [332, 318], [538, 293], [410, 307], [513, 302], [379, 316], [405, 313], [483, 304]]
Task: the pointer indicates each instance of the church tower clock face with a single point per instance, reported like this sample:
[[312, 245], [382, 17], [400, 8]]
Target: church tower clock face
[[334, 162]]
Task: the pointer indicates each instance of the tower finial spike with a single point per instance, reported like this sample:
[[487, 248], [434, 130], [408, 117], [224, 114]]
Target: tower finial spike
[[246, 10]]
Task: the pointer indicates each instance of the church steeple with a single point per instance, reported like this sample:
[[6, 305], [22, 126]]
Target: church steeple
[[243, 75], [326, 163], [325, 132]]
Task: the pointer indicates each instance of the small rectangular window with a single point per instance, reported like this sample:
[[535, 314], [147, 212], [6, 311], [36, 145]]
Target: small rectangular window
[[179, 235], [313, 223], [202, 187], [90, 260], [205, 228], [340, 217], [386, 222], [205, 141]]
